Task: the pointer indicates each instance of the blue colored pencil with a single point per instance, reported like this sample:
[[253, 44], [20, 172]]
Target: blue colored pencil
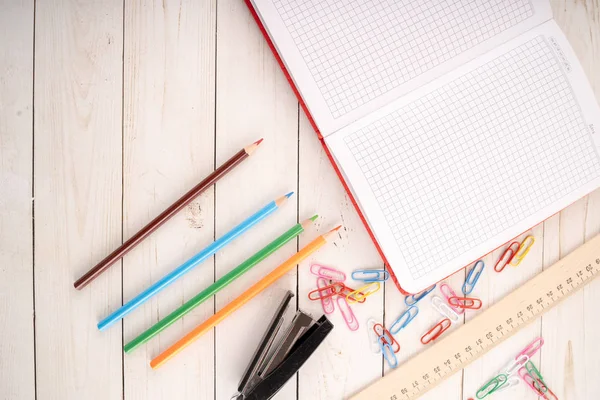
[[192, 262]]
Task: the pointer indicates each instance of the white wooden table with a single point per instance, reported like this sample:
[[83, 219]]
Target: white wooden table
[[109, 111]]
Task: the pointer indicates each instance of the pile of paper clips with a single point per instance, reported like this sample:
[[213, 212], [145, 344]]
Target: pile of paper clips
[[521, 368], [331, 290]]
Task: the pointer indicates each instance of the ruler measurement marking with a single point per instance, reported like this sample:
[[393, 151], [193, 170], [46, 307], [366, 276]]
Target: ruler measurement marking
[[490, 327]]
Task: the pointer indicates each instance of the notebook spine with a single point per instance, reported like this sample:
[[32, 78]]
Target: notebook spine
[[327, 152]]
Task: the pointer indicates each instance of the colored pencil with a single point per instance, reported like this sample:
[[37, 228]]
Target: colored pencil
[[178, 272], [245, 297], [165, 215], [219, 284]]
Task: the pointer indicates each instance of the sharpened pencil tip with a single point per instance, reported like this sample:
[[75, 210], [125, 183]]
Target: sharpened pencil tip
[[250, 148], [289, 194], [337, 228], [314, 217], [259, 141], [280, 200]]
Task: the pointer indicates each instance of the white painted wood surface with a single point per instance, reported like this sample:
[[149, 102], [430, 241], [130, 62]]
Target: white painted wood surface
[[117, 108]]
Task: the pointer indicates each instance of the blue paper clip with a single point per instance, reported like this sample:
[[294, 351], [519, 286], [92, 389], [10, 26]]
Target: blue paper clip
[[388, 354], [371, 275], [404, 319], [471, 280], [415, 298]]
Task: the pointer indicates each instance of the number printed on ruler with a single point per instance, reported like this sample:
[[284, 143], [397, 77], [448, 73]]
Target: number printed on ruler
[[469, 342]]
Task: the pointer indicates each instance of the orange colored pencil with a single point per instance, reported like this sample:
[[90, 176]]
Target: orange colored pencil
[[243, 298]]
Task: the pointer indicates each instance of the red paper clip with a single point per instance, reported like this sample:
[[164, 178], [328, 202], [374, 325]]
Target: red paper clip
[[386, 337], [448, 292], [326, 291], [471, 303], [436, 331], [548, 394], [506, 257], [347, 290]]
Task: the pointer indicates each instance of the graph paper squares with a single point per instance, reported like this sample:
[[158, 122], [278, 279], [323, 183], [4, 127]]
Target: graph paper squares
[[357, 50], [476, 156]]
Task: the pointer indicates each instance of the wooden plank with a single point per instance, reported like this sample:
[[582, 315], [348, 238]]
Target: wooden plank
[[168, 146], [253, 101], [491, 288], [17, 363], [410, 337], [568, 352], [77, 148], [344, 363], [591, 299]]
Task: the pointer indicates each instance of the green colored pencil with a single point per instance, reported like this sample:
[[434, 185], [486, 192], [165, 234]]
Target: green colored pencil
[[218, 285]]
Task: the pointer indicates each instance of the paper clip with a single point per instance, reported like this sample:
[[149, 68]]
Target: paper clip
[[370, 275], [506, 257], [386, 337], [514, 366], [547, 394], [323, 292], [524, 248], [529, 373], [415, 298], [471, 303], [347, 313], [448, 292], [374, 343], [404, 319], [532, 382], [388, 354], [326, 302], [326, 272], [444, 309], [491, 386], [363, 292], [532, 348], [348, 291], [473, 277], [510, 382], [436, 331]]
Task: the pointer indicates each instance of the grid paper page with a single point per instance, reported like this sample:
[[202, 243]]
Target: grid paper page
[[476, 156], [357, 50]]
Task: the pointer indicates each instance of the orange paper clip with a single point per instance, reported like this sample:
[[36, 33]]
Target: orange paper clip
[[385, 337], [507, 256], [436, 331], [470, 303]]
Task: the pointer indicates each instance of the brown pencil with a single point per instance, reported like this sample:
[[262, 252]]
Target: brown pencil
[[165, 215]]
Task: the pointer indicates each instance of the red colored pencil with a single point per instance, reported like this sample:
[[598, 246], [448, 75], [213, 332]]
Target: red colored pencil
[[165, 215]]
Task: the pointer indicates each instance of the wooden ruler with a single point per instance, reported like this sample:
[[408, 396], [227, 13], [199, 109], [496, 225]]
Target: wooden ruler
[[467, 343]]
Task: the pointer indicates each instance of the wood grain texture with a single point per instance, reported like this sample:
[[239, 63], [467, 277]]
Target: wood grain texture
[[253, 100], [344, 362], [168, 147], [17, 363], [77, 125], [132, 103]]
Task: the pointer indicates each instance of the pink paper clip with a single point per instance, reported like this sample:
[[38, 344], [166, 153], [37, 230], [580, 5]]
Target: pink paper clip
[[507, 256], [326, 302], [326, 272], [448, 292], [532, 348], [347, 313]]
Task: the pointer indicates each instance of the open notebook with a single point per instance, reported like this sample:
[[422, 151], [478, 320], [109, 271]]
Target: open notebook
[[456, 125]]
